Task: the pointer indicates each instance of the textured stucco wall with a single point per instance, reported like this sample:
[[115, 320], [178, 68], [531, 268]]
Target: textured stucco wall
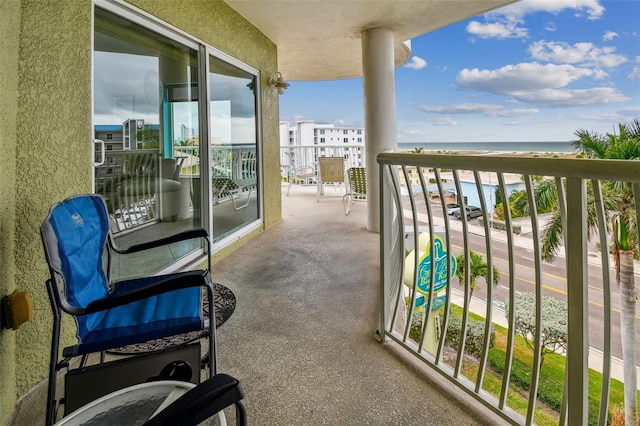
[[48, 156], [9, 30], [53, 154]]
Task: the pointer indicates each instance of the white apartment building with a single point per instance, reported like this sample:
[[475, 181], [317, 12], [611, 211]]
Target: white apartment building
[[316, 139], [308, 132]]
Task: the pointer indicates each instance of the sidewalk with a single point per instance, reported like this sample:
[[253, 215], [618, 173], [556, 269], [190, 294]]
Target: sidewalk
[[524, 240]]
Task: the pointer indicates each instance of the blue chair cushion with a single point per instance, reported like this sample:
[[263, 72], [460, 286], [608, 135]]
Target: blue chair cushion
[[175, 312]]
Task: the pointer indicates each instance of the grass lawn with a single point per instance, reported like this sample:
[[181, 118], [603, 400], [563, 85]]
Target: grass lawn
[[552, 375]]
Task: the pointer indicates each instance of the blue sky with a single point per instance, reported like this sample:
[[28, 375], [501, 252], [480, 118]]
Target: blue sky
[[537, 70]]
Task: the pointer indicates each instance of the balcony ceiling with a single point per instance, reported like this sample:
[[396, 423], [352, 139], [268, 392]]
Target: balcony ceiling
[[321, 39]]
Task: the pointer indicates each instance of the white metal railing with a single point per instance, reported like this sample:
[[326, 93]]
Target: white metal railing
[[414, 192], [129, 182], [298, 163]]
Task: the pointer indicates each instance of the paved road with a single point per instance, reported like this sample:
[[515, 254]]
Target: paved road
[[553, 277]]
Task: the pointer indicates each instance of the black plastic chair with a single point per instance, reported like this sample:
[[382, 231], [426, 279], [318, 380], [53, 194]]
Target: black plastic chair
[[76, 239]]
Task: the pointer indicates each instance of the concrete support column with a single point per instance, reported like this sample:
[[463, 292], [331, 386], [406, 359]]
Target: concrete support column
[[379, 110]]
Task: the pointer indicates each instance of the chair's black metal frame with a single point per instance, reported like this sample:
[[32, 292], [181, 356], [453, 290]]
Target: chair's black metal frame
[[59, 303]]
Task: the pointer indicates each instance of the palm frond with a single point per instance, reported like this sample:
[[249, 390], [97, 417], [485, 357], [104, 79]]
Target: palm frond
[[552, 236], [545, 194]]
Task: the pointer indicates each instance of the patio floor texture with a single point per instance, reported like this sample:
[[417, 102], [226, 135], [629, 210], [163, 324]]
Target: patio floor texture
[[301, 340]]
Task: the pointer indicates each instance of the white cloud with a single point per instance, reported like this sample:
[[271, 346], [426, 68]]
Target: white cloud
[[465, 108], [499, 30], [442, 121], [635, 74], [416, 63], [518, 112], [538, 84], [630, 112], [551, 27], [506, 22], [609, 35], [579, 53], [520, 77], [489, 110], [599, 75], [411, 132], [608, 118], [593, 8], [572, 98]]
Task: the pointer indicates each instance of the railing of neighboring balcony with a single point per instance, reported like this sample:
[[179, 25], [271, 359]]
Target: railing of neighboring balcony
[[414, 191], [298, 163]]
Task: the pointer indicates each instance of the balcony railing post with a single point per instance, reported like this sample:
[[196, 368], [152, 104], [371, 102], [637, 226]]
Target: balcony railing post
[[578, 339], [385, 253]]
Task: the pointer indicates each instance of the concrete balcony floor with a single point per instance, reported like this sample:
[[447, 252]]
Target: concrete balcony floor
[[301, 339]]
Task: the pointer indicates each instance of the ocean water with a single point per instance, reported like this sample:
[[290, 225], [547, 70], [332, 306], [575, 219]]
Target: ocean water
[[489, 146]]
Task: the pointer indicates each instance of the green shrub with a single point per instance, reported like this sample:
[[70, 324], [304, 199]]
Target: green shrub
[[501, 225], [475, 334], [549, 388], [416, 326]]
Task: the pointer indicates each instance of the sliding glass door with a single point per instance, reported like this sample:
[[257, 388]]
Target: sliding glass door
[[234, 159], [158, 113]]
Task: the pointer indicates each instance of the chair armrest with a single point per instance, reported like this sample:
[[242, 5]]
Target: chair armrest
[[181, 236], [201, 402], [172, 282]]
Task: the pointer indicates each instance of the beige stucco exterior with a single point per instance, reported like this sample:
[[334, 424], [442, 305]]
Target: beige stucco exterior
[[45, 150]]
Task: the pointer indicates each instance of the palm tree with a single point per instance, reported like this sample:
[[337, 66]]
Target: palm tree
[[619, 205], [477, 268]]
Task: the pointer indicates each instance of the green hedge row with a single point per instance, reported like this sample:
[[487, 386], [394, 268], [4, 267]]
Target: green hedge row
[[501, 225], [475, 331], [549, 389], [475, 334]]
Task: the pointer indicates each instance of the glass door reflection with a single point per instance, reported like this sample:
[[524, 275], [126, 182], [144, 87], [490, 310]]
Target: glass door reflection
[[234, 161]]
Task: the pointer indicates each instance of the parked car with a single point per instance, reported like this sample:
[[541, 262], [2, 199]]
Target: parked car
[[472, 212], [451, 208]]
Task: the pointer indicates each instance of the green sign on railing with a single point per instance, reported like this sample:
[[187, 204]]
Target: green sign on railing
[[439, 256]]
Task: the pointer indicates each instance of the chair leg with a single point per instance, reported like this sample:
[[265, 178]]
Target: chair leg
[[213, 358], [51, 387], [241, 413], [53, 361], [233, 200], [348, 201]]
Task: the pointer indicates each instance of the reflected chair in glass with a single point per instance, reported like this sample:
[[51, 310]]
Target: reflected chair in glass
[[79, 247], [330, 170], [356, 187], [241, 181]]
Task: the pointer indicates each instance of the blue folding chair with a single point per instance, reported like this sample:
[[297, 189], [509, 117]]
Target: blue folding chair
[[76, 238]]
